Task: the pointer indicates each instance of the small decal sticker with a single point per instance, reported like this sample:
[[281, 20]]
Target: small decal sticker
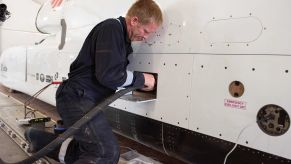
[[56, 75], [37, 76], [56, 3], [3, 68], [41, 77], [235, 104], [48, 78]]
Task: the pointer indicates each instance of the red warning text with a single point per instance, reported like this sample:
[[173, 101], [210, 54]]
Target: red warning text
[[235, 104]]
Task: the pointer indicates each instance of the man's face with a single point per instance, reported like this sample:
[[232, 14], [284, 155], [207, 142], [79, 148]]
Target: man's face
[[139, 32]]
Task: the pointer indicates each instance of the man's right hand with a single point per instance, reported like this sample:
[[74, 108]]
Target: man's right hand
[[149, 82]]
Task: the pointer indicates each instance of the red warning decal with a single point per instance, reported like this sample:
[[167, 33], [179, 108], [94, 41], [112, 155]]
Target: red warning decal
[[56, 3], [235, 104]]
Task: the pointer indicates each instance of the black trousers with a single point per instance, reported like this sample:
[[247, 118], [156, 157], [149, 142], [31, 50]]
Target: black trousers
[[96, 141]]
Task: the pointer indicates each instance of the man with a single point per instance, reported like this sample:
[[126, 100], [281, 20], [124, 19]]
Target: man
[[97, 72]]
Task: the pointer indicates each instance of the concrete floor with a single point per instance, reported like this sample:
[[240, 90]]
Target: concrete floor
[[9, 150]]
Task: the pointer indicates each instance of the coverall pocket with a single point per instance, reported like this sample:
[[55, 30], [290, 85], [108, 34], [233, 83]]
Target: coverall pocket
[[80, 92]]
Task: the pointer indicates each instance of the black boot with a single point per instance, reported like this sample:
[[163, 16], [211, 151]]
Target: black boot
[[38, 139]]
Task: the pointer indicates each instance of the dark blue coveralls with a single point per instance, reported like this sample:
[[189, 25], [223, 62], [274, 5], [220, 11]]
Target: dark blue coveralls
[[94, 75]]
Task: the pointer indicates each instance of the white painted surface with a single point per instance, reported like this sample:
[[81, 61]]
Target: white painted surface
[[239, 35]]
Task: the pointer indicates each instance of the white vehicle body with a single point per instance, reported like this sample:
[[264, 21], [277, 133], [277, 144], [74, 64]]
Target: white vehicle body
[[202, 47]]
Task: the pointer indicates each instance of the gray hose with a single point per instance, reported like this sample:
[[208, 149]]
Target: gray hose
[[74, 128]]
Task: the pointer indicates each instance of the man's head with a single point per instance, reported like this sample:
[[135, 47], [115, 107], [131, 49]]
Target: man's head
[[142, 19]]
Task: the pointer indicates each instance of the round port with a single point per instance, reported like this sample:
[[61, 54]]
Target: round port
[[236, 89]]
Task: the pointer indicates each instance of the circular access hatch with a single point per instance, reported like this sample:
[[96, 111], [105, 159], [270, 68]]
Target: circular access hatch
[[273, 120]]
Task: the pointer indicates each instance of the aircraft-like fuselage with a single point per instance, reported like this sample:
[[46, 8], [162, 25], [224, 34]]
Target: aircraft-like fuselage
[[223, 72]]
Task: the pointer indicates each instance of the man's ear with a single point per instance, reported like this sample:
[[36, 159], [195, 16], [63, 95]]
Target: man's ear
[[134, 20]]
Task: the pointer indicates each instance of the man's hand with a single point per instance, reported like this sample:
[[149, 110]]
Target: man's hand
[[149, 82]]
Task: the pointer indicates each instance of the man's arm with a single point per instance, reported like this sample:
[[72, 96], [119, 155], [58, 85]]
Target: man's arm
[[133, 79]]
